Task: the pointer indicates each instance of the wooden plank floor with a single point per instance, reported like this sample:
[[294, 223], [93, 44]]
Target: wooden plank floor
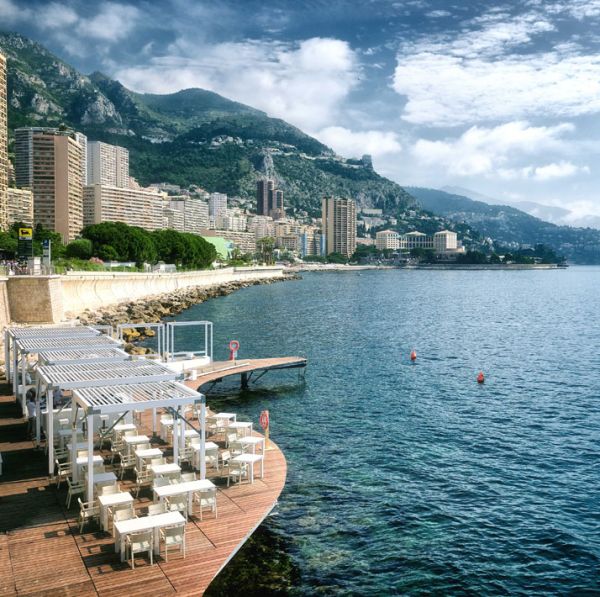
[[42, 552], [219, 369]]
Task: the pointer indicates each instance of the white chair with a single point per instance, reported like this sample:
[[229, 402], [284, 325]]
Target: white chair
[[236, 471], [230, 436], [116, 449], [177, 503], [108, 489], [126, 462], [186, 477], [186, 455], [112, 510], [63, 471], [139, 543], [206, 499], [142, 479], [157, 461], [173, 537], [158, 508], [211, 458], [122, 514], [87, 511], [74, 489], [161, 481]]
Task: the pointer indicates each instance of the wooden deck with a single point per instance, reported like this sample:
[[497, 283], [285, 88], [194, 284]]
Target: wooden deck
[[218, 370], [42, 552]]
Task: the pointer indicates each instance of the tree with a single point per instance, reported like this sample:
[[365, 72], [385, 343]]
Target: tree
[[79, 249], [266, 247], [337, 258]]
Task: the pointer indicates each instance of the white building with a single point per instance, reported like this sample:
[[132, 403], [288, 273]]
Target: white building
[[445, 241], [387, 239], [107, 165], [261, 226], [194, 213], [217, 204]]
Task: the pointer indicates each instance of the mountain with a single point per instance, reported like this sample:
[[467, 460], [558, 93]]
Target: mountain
[[510, 226], [190, 137]]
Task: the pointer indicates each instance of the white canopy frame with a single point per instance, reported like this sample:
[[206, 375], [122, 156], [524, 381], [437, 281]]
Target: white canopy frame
[[206, 332], [142, 396], [101, 354], [160, 333], [56, 378], [38, 345]]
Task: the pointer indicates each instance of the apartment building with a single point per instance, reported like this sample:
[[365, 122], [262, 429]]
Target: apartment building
[[20, 206], [339, 225], [107, 165]]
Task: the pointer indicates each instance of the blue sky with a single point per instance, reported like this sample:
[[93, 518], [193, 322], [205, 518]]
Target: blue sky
[[502, 98]]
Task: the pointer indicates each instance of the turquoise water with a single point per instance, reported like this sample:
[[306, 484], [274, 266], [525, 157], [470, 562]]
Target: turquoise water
[[412, 478]]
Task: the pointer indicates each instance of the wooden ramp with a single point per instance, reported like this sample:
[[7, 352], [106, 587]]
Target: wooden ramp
[[245, 368], [42, 552]]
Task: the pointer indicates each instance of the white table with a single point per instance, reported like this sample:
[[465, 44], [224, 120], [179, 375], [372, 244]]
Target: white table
[[68, 433], [242, 428], [101, 479], [147, 453], [168, 468], [83, 461], [225, 416], [188, 487], [112, 499], [134, 440], [78, 446], [165, 425], [253, 440], [144, 523], [251, 460], [122, 428], [208, 447]]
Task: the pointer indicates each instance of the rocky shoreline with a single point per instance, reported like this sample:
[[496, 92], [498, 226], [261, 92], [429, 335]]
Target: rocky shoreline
[[153, 309]]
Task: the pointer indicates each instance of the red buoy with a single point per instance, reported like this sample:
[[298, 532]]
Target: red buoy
[[413, 355], [480, 377]]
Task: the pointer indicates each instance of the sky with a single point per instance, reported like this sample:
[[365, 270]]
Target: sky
[[499, 97]]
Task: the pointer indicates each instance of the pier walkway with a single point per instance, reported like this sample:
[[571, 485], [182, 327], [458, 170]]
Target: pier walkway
[[245, 368], [43, 553]]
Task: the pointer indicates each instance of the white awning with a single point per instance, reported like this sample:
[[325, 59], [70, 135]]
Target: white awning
[[98, 354]]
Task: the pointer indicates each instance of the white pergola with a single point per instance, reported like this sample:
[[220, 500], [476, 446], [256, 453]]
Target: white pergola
[[99, 400], [11, 335], [101, 354], [22, 347], [56, 378]]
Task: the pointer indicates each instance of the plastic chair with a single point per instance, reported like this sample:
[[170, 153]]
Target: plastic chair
[[206, 499], [139, 543], [126, 462], [142, 479], [173, 537], [236, 470], [186, 477], [177, 503], [74, 489], [63, 471], [158, 508], [122, 514], [87, 511]]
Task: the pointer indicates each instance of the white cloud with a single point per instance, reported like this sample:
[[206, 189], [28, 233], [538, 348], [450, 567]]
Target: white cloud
[[303, 83], [490, 73], [11, 13], [56, 16], [356, 143], [112, 22], [558, 170], [492, 151]]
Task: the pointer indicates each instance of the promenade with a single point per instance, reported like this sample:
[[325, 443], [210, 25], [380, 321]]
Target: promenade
[[43, 553]]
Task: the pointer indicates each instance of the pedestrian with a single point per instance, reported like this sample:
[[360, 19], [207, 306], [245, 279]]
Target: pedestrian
[[31, 413]]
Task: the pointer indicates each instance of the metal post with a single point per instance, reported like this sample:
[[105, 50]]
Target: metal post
[[15, 371], [90, 447], [50, 430], [74, 443], [23, 380], [153, 422], [211, 342], [7, 354], [175, 437], [182, 430], [203, 439], [38, 413]]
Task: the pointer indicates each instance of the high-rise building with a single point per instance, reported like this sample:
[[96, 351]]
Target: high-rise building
[[217, 204], [3, 146], [20, 206], [195, 213], [107, 165], [135, 207], [83, 141], [269, 200], [339, 225]]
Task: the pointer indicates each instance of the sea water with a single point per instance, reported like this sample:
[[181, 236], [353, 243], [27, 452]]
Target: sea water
[[407, 478]]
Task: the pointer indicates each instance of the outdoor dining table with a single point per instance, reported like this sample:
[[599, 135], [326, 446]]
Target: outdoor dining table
[[208, 447], [112, 499], [253, 441], [143, 455], [169, 468], [78, 446], [67, 433], [252, 459], [165, 425], [83, 461], [188, 487], [144, 523], [242, 428], [121, 428], [132, 440]]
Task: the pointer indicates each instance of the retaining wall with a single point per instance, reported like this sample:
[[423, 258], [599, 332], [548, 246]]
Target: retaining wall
[[51, 299]]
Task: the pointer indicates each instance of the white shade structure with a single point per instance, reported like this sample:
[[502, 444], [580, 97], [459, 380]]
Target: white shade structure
[[99, 354], [99, 400]]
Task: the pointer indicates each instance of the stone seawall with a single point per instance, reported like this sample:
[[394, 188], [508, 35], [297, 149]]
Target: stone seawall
[[51, 299]]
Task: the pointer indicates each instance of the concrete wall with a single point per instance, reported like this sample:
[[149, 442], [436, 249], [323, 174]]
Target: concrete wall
[[51, 299]]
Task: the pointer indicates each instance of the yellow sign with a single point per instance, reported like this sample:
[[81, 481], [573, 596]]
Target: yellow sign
[[25, 233]]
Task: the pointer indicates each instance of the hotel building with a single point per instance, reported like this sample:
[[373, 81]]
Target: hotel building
[[107, 165], [339, 225], [193, 211]]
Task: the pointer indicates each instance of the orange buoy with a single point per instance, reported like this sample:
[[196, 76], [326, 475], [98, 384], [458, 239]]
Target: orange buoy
[[480, 377], [413, 355]]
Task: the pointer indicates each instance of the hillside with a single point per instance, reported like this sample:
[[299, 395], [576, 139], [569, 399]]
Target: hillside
[[193, 136], [510, 226]]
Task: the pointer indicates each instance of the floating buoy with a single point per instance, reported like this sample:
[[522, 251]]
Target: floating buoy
[[413, 355], [480, 377]]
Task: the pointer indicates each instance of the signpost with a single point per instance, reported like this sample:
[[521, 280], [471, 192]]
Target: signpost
[[25, 243]]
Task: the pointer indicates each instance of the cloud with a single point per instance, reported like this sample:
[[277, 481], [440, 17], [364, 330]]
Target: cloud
[[491, 151], [304, 82], [354, 144], [558, 170], [112, 22], [11, 13], [56, 16], [493, 72]]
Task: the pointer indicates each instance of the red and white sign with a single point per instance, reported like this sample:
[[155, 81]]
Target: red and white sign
[[234, 346]]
